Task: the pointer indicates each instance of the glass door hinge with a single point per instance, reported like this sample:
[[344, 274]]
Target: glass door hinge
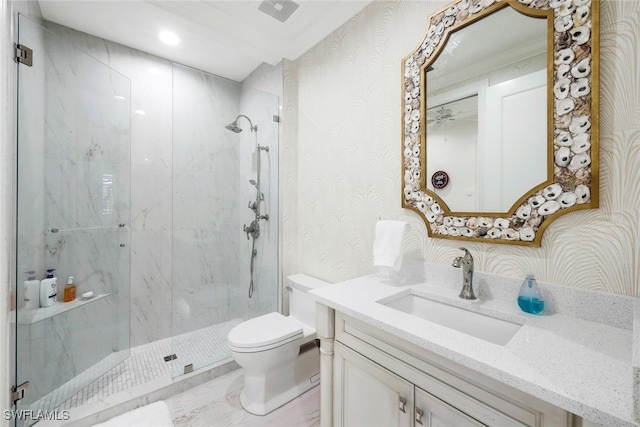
[[17, 392], [24, 55]]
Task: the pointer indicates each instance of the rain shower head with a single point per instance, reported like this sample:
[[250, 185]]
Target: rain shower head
[[233, 126]]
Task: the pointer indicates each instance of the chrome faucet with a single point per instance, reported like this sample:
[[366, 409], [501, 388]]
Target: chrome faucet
[[466, 262]]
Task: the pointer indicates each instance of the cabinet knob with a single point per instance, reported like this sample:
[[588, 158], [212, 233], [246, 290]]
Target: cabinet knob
[[403, 402], [419, 414]]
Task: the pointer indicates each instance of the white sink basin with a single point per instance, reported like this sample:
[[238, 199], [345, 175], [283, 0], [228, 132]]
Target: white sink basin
[[488, 328]]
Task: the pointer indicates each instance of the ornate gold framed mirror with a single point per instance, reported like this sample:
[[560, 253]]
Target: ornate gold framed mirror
[[501, 99]]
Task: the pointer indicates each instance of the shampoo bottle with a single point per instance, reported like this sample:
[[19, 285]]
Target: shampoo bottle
[[530, 297], [48, 289], [69, 290], [31, 291]]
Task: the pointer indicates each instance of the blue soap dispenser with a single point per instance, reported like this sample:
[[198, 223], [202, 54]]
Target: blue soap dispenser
[[530, 297]]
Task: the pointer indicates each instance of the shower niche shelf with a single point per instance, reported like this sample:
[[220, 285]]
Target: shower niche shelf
[[29, 317]]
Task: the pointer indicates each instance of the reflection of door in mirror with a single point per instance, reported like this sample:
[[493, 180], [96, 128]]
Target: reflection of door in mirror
[[453, 128], [513, 148], [496, 159]]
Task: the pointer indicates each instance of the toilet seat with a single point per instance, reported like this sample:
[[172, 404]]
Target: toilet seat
[[264, 332]]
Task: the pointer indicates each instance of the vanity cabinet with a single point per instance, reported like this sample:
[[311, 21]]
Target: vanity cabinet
[[381, 380]]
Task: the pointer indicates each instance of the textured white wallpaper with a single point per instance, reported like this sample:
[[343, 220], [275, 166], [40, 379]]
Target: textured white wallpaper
[[342, 159]]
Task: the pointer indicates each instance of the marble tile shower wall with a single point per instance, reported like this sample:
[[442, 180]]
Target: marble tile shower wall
[[204, 165], [87, 183]]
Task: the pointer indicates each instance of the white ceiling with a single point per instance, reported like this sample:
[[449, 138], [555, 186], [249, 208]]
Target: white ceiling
[[229, 38]]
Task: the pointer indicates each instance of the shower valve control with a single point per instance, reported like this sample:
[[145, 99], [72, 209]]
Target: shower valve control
[[252, 230], [253, 206]]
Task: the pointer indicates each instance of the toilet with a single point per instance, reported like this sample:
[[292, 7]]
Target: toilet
[[279, 354]]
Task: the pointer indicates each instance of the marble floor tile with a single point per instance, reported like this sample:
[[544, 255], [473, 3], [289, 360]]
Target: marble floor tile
[[217, 404]]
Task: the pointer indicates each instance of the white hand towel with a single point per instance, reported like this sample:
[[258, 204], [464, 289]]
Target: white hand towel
[[387, 246]]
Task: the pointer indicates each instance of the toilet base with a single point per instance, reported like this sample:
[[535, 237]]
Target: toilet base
[[264, 392]]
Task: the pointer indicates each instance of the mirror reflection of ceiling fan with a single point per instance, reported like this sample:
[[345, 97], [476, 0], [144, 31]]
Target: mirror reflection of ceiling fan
[[458, 110], [440, 116]]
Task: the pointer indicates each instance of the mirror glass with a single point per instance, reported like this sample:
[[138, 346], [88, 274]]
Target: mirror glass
[[486, 113]]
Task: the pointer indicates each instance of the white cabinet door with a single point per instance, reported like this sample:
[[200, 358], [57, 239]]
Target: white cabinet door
[[433, 412], [367, 395]]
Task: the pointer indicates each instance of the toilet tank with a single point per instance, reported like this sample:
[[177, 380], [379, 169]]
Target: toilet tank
[[302, 305]]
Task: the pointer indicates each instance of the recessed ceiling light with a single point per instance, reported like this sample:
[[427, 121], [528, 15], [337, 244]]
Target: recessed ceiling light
[[168, 37], [140, 112], [155, 71]]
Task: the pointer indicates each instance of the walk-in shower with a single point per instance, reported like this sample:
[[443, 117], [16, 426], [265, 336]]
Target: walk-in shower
[[253, 230], [127, 183]]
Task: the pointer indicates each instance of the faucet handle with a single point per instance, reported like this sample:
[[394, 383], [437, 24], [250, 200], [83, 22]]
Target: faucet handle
[[467, 254]]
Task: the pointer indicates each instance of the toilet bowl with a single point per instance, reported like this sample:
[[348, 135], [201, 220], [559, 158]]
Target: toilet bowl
[[279, 354]]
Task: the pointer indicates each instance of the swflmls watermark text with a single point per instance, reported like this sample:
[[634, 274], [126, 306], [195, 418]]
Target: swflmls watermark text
[[31, 415]]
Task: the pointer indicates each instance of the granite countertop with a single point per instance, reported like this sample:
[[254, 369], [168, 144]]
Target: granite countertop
[[581, 365]]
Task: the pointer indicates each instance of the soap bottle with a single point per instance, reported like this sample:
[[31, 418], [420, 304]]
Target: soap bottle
[[69, 290], [48, 289], [530, 297], [31, 291]]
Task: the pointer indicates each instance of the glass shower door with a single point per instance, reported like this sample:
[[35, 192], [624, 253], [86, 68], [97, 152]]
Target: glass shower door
[[212, 170], [73, 215]]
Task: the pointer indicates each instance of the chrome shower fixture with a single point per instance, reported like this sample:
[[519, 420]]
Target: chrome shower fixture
[[233, 126], [253, 229]]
